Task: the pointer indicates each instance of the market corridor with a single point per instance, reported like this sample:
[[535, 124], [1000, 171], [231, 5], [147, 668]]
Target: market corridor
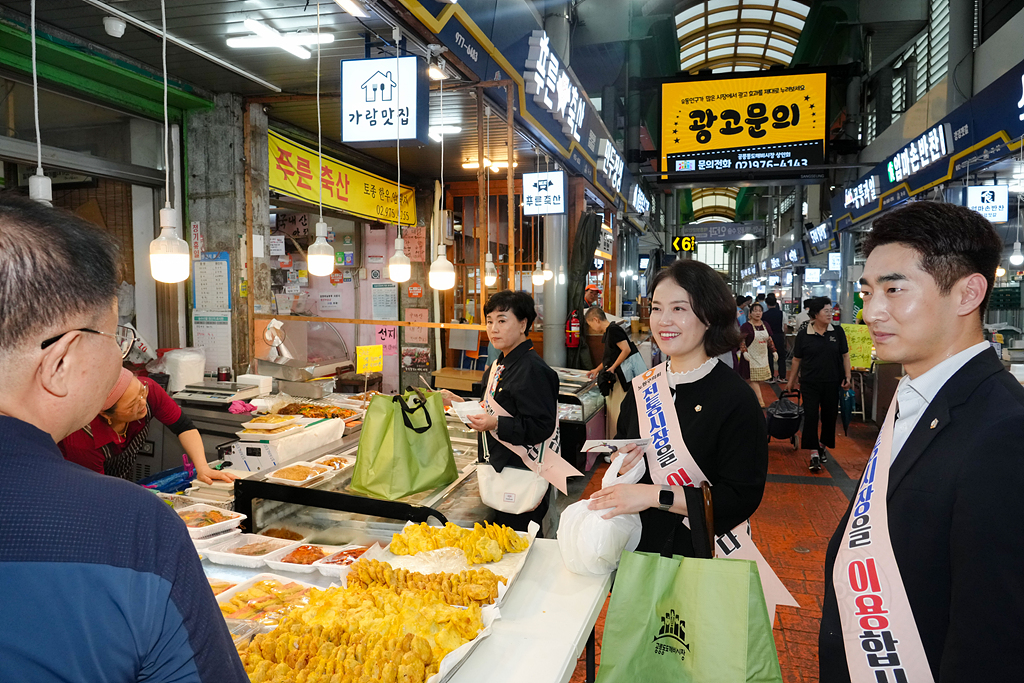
[[792, 528]]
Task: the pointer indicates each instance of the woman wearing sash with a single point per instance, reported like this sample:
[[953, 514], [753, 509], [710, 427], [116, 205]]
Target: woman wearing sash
[[524, 387], [111, 443], [713, 427]]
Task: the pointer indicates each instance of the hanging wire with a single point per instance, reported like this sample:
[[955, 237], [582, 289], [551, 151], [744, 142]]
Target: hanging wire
[[319, 136], [35, 95], [487, 206], [398, 132], [167, 148]]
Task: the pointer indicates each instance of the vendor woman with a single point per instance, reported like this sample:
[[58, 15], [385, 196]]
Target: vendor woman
[[718, 419], [112, 441]]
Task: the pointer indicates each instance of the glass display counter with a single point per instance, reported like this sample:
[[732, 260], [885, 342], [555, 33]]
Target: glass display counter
[[330, 512], [581, 413]]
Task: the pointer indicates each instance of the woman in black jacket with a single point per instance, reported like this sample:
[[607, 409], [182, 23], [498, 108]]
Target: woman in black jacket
[[525, 386], [693, 320]]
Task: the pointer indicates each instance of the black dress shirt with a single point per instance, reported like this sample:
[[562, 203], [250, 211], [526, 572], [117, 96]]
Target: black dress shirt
[[528, 391]]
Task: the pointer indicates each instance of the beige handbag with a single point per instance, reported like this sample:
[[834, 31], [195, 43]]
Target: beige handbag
[[513, 490]]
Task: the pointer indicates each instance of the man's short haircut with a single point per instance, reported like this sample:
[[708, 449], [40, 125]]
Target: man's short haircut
[[520, 303], [710, 301], [952, 241], [771, 300], [739, 298], [54, 267], [760, 297], [596, 313], [816, 304], [807, 303]]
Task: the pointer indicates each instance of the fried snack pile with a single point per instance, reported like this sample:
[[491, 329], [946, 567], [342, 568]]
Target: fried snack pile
[[361, 635], [481, 544], [473, 587]]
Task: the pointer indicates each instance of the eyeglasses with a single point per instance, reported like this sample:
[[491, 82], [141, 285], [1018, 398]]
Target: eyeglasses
[[125, 338], [140, 400]]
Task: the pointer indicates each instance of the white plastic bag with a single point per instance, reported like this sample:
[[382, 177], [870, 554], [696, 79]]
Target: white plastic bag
[[592, 545]]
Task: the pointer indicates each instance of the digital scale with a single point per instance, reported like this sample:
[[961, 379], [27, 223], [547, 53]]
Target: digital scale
[[216, 393]]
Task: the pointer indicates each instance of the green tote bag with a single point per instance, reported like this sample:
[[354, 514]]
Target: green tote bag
[[687, 620], [404, 447]]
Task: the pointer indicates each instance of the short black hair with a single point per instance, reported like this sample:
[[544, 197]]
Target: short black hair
[[760, 297], [758, 304], [520, 303], [595, 312], [818, 303], [771, 300], [710, 300], [54, 267], [807, 303], [739, 298], [952, 241]]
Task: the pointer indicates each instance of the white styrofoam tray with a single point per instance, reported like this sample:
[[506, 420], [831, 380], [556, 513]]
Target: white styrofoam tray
[[272, 477], [271, 425], [321, 461], [210, 530], [340, 571], [222, 552], [246, 585], [293, 428], [274, 559]]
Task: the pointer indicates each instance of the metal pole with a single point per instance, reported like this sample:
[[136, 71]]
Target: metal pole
[[510, 187], [556, 294], [482, 220]]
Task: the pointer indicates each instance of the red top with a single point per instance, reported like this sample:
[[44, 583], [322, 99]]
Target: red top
[[83, 449]]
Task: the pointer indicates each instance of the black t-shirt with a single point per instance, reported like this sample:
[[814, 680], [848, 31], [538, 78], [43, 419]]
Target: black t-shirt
[[612, 336], [821, 356], [773, 317]]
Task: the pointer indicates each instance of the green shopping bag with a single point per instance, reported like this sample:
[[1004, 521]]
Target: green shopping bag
[[404, 447], [688, 619]]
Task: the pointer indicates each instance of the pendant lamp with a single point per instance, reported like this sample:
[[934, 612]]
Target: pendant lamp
[[561, 275], [548, 273], [538, 274], [1017, 257], [399, 265], [442, 272], [320, 255], [490, 272]]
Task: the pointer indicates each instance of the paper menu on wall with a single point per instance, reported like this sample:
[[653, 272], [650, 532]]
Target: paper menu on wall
[[212, 331], [384, 298], [417, 335], [415, 243], [211, 283]]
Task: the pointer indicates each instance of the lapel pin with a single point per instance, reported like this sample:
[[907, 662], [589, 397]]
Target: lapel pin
[[934, 423], [697, 408]]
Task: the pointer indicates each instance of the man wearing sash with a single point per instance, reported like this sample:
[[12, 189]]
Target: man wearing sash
[[924, 577]]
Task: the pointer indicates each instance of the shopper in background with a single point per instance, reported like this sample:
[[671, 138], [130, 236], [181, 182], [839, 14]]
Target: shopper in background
[[693, 319], [821, 365], [110, 444], [948, 472], [617, 348], [524, 386], [801, 319], [103, 582], [591, 295], [756, 348], [775, 318], [741, 309]]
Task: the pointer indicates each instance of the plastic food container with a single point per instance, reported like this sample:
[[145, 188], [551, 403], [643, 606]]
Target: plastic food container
[[202, 543], [276, 561], [327, 460], [211, 529], [284, 422], [227, 595], [321, 471], [223, 553], [341, 570], [292, 428]]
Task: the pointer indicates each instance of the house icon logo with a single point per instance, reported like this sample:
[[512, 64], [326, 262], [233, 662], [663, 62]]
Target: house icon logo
[[671, 637], [378, 87]]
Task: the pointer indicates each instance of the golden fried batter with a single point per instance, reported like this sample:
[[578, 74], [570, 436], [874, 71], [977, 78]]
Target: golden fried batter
[[482, 544], [473, 587]]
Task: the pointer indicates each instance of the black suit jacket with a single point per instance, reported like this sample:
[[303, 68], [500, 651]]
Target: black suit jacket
[[956, 520]]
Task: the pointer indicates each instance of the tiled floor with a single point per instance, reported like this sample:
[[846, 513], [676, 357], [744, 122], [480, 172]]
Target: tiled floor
[[798, 515]]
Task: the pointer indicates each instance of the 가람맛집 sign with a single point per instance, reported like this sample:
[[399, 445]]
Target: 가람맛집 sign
[[740, 124]]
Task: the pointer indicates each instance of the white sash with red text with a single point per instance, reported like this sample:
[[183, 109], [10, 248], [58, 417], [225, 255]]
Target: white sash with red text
[[552, 466], [879, 632], [671, 463]]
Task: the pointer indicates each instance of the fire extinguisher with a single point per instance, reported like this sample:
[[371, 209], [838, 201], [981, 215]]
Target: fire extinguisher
[[572, 331]]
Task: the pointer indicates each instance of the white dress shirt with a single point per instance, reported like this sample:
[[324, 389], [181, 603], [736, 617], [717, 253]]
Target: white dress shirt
[[914, 395]]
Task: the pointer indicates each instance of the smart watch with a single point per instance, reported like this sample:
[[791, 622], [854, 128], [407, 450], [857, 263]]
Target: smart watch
[[666, 498]]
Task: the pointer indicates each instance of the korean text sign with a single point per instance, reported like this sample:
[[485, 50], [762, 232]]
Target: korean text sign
[[293, 171], [370, 358], [743, 123], [383, 101], [543, 193]]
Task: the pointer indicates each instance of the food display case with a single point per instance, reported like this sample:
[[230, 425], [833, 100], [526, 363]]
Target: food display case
[[299, 353], [581, 412], [328, 511]]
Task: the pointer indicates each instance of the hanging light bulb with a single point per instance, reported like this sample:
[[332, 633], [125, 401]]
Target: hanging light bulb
[[1000, 271], [561, 275], [490, 272], [548, 273], [399, 266], [168, 253], [39, 188], [442, 272], [538, 274], [320, 255], [1016, 258]]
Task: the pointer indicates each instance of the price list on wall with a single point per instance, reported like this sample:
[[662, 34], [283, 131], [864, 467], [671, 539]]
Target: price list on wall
[[211, 284]]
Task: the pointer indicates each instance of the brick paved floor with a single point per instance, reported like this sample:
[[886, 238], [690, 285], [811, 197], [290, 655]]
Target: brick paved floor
[[798, 515]]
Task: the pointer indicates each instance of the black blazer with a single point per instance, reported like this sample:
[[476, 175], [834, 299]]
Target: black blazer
[[528, 390], [956, 520]]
